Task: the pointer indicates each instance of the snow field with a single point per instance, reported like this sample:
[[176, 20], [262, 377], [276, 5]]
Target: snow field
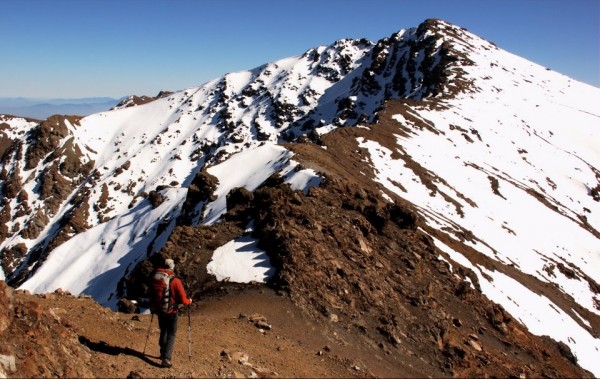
[[546, 146], [535, 311], [522, 129], [93, 262]]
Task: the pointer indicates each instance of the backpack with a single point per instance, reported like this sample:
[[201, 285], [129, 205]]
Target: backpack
[[161, 292]]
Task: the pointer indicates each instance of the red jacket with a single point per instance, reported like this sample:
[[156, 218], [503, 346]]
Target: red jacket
[[177, 292]]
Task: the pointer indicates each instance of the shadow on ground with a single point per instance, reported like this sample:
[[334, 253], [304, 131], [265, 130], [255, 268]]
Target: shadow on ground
[[105, 348]]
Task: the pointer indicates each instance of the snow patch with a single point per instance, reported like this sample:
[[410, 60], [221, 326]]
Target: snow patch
[[241, 261], [300, 179], [249, 169]]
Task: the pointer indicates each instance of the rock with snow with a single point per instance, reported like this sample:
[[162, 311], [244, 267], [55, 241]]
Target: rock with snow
[[389, 184]]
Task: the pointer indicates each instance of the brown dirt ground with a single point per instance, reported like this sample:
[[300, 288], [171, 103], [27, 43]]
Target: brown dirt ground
[[225, 343]]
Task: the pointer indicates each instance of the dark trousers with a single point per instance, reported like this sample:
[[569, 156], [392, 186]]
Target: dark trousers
[[168, 329]]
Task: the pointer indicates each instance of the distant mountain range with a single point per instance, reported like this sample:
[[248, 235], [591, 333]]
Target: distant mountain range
[[44, 108]]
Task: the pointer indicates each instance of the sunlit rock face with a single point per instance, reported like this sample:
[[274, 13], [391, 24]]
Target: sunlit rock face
[[409, 187]]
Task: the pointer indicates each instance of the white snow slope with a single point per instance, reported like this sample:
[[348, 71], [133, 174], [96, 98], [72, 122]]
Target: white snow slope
[[515, 155], [529, 129]]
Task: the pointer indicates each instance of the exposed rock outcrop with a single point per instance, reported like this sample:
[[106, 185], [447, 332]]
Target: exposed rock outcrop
[[36, 342]]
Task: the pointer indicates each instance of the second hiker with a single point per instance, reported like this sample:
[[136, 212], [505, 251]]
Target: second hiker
[[166, 293]]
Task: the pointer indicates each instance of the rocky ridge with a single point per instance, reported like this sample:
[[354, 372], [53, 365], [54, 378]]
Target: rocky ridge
[[355, 254], [413, 305], [337, 85]]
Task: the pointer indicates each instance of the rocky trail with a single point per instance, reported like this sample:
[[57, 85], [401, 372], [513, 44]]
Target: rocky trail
[[360, 291], [401, 190], [236, 332]]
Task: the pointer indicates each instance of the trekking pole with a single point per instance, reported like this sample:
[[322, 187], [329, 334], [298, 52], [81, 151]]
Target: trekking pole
[[148, 335], [189, 334]]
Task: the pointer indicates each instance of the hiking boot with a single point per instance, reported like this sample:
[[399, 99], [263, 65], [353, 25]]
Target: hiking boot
[[166, 363]]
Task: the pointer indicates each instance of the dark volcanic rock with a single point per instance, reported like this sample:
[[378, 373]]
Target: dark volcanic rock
[[347, 257], [353, 255]]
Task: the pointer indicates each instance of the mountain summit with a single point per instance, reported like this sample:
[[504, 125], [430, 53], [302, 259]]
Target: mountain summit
[[431, 191]]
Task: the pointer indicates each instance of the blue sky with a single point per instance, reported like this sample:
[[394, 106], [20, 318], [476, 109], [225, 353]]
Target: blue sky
[[82, 48]]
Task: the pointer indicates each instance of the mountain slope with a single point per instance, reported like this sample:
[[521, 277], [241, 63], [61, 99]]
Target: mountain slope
[[165, 143], [470, 174]]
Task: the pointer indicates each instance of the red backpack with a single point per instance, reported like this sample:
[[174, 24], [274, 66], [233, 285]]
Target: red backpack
[[161, 292]]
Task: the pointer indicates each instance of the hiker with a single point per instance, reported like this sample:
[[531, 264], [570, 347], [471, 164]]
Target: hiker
[[166, 294]]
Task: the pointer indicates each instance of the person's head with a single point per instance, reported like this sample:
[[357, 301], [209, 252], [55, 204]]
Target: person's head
[[157, 260], [169, 264]]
